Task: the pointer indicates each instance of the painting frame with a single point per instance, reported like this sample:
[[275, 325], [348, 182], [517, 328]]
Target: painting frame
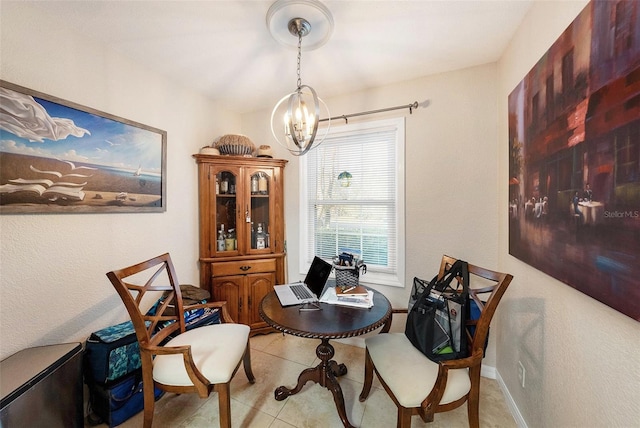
[[58, 156], [574, 158]]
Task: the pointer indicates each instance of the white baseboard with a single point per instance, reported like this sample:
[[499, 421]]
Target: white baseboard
[[515, 412], [488, 371]]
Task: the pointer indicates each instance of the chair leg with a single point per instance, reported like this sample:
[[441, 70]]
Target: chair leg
[[368, 376], [473, 399], [224, 403], [426, 416], [404, 417], [473, 413], [246, 362], [149, 403]]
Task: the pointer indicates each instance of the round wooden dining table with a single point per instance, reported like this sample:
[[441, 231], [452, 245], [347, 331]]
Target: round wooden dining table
[[328, 322]]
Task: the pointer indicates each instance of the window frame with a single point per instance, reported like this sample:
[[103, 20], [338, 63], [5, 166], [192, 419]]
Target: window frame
[[395, 278]]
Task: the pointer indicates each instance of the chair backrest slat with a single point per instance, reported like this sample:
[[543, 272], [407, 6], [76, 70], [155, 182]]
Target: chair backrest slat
[[132, 294]]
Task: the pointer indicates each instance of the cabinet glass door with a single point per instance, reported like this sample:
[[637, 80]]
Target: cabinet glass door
[[260, 185], [226, 211]]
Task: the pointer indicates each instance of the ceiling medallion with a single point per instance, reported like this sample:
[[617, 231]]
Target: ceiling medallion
[[314, 13]]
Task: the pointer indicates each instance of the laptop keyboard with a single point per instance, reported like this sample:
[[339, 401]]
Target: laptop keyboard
[[301, 292]]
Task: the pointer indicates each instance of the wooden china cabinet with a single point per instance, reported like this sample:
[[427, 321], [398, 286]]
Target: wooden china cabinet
[[241, 232]]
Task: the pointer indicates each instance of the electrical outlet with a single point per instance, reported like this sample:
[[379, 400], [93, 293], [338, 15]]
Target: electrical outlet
[[521, 373]]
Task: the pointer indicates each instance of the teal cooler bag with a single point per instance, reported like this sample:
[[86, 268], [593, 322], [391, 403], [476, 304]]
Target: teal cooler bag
[[112, 353]]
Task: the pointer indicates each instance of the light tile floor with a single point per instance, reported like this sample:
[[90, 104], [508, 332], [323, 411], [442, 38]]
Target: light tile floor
[[277, 359]]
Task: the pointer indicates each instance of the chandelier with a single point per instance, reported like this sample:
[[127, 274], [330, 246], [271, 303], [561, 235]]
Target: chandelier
[[295, 118]]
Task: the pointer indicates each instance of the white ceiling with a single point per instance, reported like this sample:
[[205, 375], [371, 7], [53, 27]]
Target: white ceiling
[[223, 48]]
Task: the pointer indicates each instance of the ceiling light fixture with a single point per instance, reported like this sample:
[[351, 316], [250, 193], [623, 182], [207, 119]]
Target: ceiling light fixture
[[295, 118]]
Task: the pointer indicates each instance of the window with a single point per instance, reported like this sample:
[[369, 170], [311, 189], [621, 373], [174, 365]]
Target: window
[[535, 112], [623, 33], [550, 107], [567, 77], [627, 147], [363, 210]]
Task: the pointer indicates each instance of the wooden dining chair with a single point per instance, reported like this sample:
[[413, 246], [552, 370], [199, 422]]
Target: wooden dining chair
[[420, 386], [200, 360]]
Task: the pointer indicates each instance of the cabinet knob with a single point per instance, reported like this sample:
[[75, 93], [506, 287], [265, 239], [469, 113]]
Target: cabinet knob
[[245, 268]]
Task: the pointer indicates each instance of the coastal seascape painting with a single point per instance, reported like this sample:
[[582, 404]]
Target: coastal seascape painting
[[60, 157], [574, 158]]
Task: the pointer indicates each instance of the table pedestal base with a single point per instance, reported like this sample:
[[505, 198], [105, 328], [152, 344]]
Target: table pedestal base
[[324, 374]]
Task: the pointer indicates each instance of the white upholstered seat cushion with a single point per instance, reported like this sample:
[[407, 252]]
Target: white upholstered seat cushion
[[216, 351], [409, 374]]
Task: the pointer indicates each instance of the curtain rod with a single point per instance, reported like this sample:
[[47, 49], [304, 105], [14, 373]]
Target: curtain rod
[[382, 110]]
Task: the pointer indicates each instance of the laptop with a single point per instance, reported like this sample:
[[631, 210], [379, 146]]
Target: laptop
[[310, 289]]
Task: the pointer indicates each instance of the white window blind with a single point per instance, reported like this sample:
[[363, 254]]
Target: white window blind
[[363, 213]]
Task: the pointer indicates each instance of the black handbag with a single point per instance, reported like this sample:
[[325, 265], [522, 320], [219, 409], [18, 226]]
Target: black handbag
[[438, 312]]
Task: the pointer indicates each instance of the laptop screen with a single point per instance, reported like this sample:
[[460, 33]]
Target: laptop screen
[[317, 276]]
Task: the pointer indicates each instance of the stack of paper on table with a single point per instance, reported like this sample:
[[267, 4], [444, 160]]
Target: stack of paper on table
[[362, 299], [351, 291]]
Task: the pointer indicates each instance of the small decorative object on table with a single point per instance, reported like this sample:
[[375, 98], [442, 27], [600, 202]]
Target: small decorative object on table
[[348, 268]]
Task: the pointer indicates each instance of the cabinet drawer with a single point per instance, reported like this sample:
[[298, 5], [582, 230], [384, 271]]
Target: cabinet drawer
[[243, 267]]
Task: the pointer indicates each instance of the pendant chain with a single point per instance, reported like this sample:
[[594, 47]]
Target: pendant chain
[[299, 58]]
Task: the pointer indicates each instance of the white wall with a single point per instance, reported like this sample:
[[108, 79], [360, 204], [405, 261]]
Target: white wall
[[53, 286], [581, 357], [451, 170]]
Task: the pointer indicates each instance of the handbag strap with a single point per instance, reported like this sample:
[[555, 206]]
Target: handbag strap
[[420, 288], [459, 268]]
